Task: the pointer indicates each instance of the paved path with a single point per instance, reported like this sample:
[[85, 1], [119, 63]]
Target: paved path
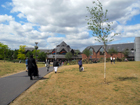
[[12, 86]]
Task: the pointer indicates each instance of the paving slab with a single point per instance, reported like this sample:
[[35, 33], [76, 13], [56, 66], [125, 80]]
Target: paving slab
[[12, 86]]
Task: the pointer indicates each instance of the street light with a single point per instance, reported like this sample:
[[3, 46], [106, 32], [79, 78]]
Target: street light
[[55, 54], [36, 47]]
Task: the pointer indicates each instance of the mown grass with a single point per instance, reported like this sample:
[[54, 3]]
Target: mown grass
[[71, 87], [7, 68]]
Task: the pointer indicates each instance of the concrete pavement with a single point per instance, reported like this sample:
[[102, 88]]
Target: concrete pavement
[[12, 86]]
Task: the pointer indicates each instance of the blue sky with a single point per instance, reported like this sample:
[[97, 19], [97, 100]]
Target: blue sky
[[49, 22]]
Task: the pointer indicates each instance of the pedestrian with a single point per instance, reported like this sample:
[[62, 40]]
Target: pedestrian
[[80, 64], [114, 60], [111, 59], [19, 61], [32, 67], [26, 63], [47, 64], [55, 65]]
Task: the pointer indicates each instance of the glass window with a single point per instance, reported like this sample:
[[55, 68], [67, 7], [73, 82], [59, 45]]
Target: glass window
[[102, 51], [132, 50], [91, 50]]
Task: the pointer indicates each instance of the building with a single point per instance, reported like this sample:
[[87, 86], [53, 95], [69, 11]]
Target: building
[[59, 52], [137, 48], [98, 51]]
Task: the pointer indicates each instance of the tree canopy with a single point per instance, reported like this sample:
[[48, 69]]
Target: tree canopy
[[126, 52], [21, 52], [112, 51], [98, 22], [68, 55], [3, 50], [87, 52]]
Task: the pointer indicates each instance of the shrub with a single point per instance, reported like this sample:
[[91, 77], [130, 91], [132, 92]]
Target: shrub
[[119, 60], [108, 59], [101, 59]]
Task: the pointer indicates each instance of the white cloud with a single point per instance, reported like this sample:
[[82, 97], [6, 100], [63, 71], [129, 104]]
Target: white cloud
[[5, 17], [65, 17]]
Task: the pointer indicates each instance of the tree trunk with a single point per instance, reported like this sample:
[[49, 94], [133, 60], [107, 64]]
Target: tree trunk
[[104, 64]]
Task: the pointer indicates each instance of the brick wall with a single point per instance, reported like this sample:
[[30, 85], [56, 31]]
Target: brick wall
[[98, 56]]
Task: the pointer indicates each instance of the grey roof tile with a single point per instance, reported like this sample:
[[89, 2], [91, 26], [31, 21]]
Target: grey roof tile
[[119, 47]]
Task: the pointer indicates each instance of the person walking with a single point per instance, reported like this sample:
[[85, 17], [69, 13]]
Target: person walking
[[47, 64], [26, 63], [111, 59], [55, 65], [80, 64], [114, 60], [32, 67]]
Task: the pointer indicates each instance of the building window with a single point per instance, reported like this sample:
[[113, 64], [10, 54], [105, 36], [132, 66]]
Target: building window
[[132, 50], [63, 52], [53, 52], [91, 50], [101, 51]]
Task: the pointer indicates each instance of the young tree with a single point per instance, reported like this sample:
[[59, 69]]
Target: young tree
[[21, 52], [112, 51], [101, 28], [87, 52], [68, 55]]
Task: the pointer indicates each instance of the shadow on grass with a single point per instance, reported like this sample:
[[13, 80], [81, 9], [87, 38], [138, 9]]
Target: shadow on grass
[[126, 78], [60, 72], [43, 78]]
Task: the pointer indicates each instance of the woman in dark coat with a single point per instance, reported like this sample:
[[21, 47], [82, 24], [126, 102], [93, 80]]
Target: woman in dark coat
[[32, 67]]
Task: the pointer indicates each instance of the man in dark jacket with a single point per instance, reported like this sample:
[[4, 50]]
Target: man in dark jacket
[[55, 65], [80, 65], [32, 67]]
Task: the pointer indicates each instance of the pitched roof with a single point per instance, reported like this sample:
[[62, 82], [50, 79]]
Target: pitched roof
[[29, 48], [61, 46], [119, 47]]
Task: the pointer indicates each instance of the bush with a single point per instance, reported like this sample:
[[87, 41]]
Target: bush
[[108, 59], [101, 59], [119, 60], [74, 62], [65, 63]]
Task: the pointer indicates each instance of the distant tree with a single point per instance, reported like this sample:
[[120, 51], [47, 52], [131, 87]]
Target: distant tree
[[87, 52], [68, 55], [10, 54], [3, 50], [76, 53], [42, 56], [35, 53], [29, 53], [15, 54], [112, 51], [21, 52], [100, 27], [126, 53]]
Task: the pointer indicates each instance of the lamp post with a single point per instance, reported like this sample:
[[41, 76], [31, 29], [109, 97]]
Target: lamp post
[[55, 54], [36, 47]]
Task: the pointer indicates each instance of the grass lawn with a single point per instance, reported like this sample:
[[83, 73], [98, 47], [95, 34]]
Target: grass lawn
[[7, 68], [71, 87]]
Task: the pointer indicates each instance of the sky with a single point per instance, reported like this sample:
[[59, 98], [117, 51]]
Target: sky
[[49, 22]]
